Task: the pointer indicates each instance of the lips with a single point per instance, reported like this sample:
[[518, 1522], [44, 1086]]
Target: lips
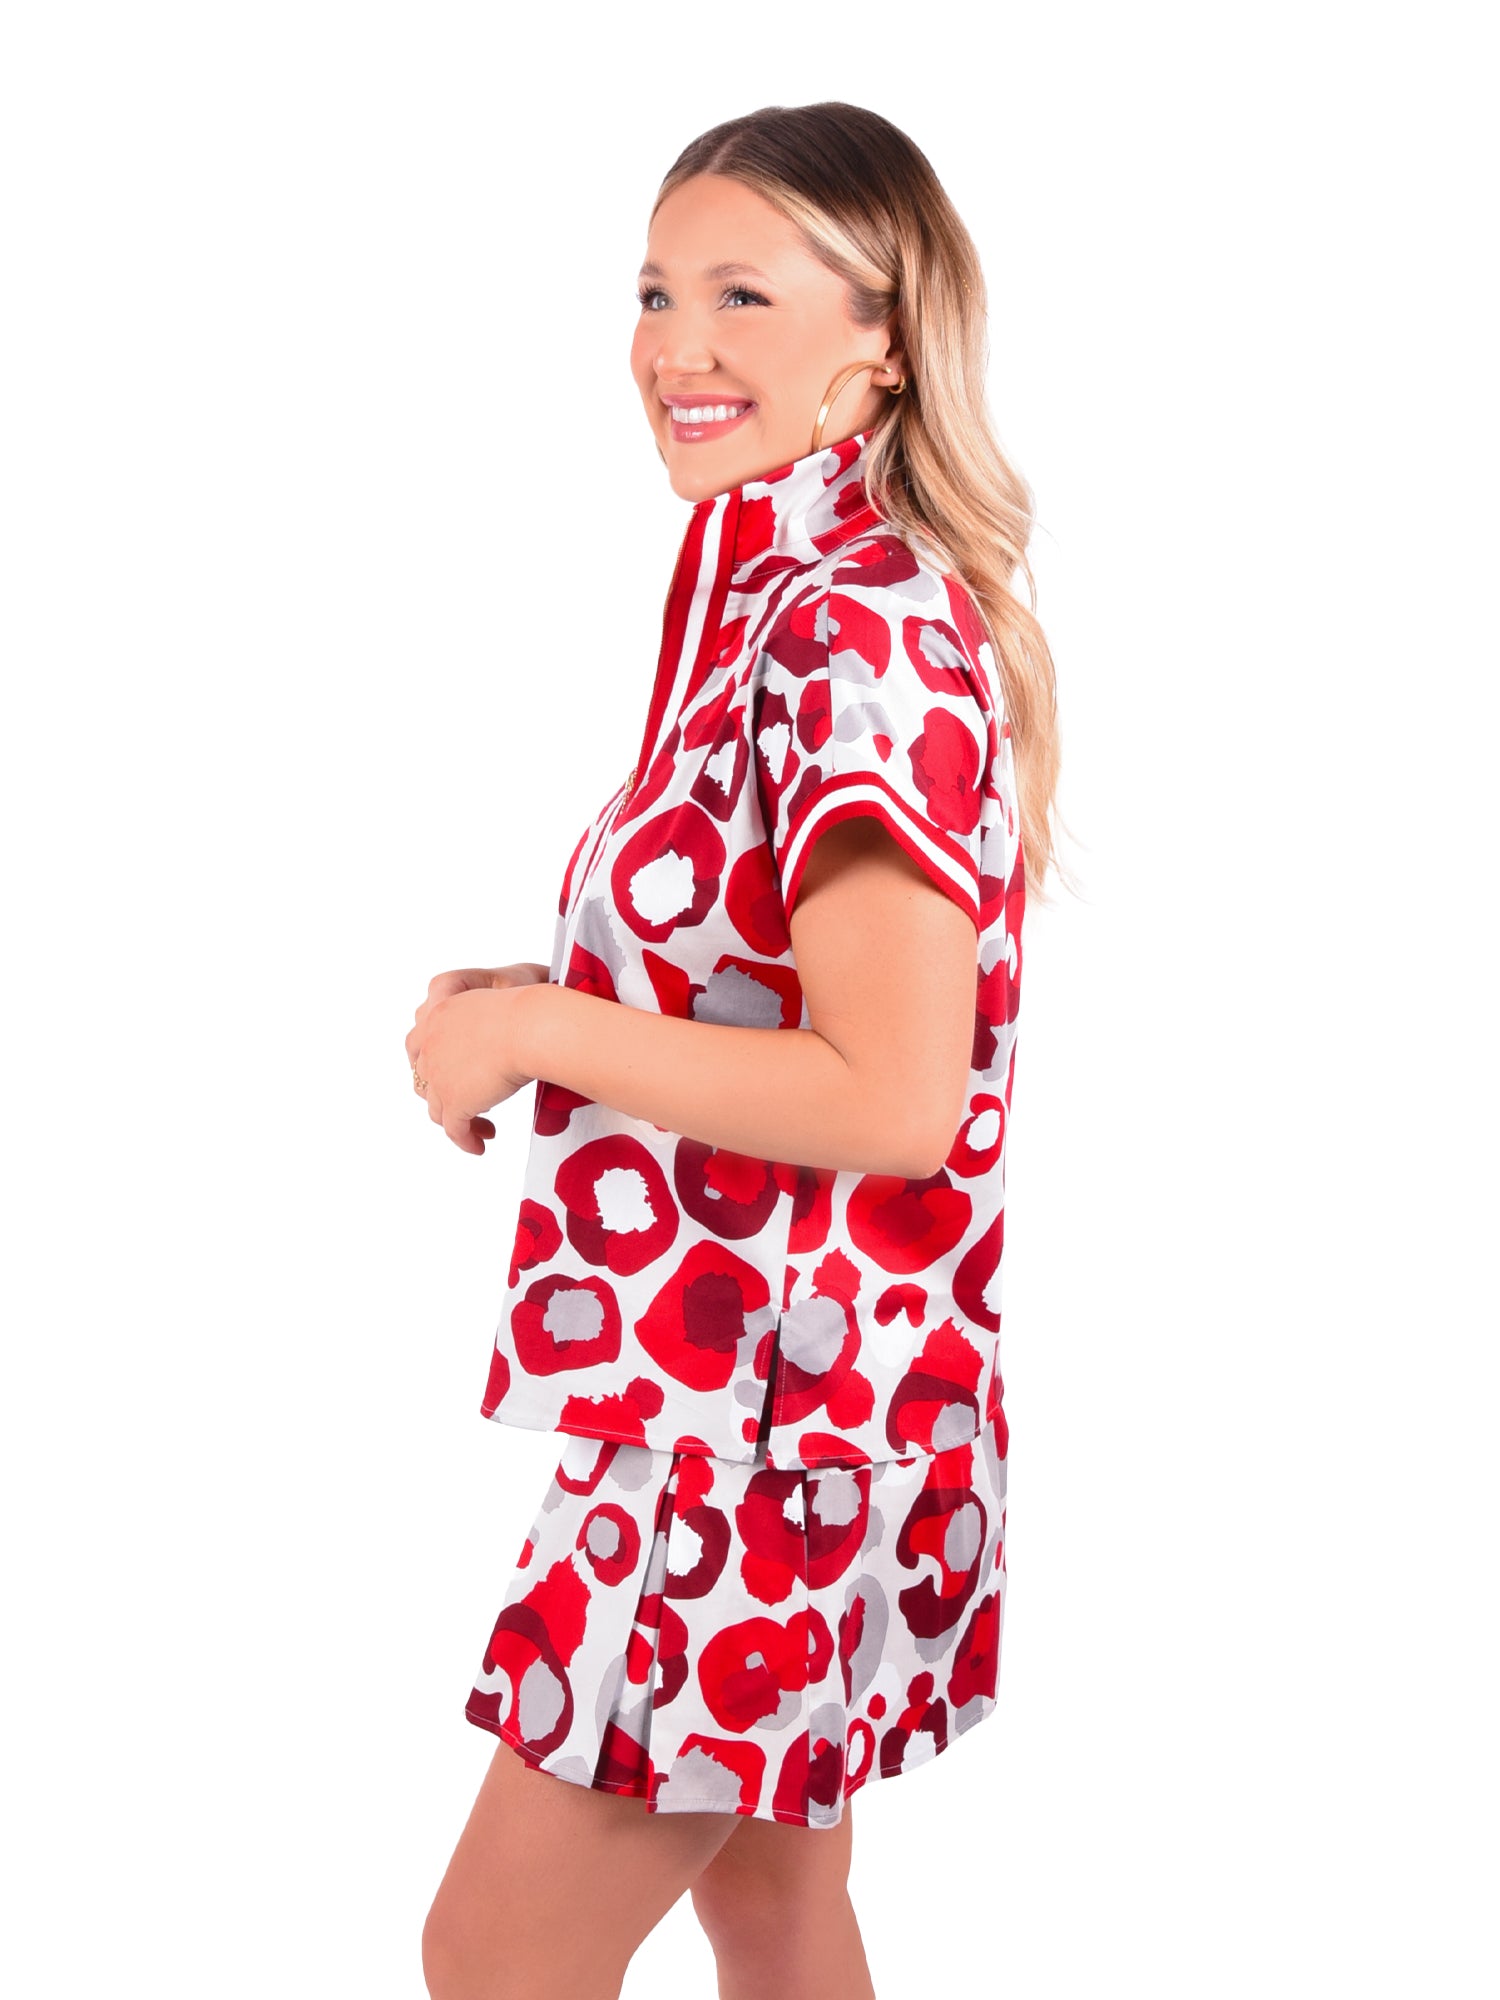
[[706, 400], [685, 432]]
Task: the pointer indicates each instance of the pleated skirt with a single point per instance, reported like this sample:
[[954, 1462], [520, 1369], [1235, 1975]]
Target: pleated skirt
[[706, 1636]]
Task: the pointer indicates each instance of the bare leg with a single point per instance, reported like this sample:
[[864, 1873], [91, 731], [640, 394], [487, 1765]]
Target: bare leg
[[552, 1887], [774, 1904]]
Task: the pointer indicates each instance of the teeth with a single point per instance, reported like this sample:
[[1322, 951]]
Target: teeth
[[709, 413]]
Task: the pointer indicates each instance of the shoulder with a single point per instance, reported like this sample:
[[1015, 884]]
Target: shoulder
[[880, 609]]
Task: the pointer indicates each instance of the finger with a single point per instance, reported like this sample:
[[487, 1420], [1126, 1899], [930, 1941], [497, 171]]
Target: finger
[[484, 1127], [457, 1128], [443, 984]]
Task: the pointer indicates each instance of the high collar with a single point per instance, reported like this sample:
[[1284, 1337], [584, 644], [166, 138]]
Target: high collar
[[742, 541], [800, 510]]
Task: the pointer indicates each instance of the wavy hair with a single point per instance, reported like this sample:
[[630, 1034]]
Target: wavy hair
[[869, 206]]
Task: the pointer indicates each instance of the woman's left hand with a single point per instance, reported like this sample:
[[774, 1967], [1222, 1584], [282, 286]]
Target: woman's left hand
[[464, 1048]]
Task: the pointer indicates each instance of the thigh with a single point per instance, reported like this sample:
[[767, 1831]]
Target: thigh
[[767, 1866], [553, 1885]]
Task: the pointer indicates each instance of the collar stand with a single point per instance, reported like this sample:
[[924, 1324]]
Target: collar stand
[[801, 509]]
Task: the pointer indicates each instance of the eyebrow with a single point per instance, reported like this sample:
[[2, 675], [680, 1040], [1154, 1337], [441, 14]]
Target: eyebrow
[[713, 271]]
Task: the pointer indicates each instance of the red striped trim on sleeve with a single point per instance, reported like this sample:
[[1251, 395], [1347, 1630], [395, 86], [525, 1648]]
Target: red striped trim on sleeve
[[943, 858]]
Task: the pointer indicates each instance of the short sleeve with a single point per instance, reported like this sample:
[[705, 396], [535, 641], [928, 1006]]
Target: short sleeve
[[873, 706]]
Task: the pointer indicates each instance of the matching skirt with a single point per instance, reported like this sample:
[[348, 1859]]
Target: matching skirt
[[715, 1637]]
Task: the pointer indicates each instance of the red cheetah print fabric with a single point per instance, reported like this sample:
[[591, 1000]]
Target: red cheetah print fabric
[[708, 1636], [679, 1297]]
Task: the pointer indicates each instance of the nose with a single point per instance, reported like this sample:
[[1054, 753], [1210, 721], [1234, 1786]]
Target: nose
[[681, 349]]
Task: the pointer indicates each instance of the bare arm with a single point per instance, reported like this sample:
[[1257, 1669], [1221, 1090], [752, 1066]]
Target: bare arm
[[875, 1085]]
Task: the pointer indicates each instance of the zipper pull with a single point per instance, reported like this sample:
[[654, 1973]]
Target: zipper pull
[[629, 784]]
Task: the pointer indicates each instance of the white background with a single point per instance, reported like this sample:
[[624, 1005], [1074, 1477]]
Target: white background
[[334, 546]]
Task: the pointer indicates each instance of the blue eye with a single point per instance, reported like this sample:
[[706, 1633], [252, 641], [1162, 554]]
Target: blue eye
[[646, 293]]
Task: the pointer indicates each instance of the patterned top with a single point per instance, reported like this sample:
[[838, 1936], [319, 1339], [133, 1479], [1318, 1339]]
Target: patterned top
[[674, 1294]]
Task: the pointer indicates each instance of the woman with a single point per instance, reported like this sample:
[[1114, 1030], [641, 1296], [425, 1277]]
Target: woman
[[755, 1279]]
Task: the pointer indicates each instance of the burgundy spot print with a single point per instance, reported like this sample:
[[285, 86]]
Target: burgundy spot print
[[981, 1137], [936, 653], [610, 1542], [752, 1672], [668, 872], [948, 1526], [937, 1401], [733, 1194], [624, 1415], [905, 1225], [497, 1387], [975, 1276], [617, 1205], [537, 1239], [762, 1643], [754, 907], [698, 1327], [945, 770], [820, 1342], [721, 750], [554, 1111], [813, 667], [562, 1325], [861, 630]]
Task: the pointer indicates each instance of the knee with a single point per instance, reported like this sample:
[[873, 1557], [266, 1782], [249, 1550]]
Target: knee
[[455, 1965], [446, 1967], [732, 1913], [740, 1908], [495, 1959]]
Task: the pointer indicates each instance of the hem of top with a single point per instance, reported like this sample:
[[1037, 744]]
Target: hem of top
[[989, 1705], [525, 1423]]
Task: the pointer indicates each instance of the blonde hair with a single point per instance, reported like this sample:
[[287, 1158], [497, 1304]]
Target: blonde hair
[[870, 207]]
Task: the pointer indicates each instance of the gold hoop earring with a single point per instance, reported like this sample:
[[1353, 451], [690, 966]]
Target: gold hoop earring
[[831, 397]]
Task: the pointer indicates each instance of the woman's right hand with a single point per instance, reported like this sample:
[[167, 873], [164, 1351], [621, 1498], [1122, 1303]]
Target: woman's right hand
[[523, 973]]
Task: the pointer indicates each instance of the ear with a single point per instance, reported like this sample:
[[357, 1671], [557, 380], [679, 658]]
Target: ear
[[895, 353]]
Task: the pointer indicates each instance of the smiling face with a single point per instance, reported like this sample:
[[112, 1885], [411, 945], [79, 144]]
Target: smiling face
[[735, 312]]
